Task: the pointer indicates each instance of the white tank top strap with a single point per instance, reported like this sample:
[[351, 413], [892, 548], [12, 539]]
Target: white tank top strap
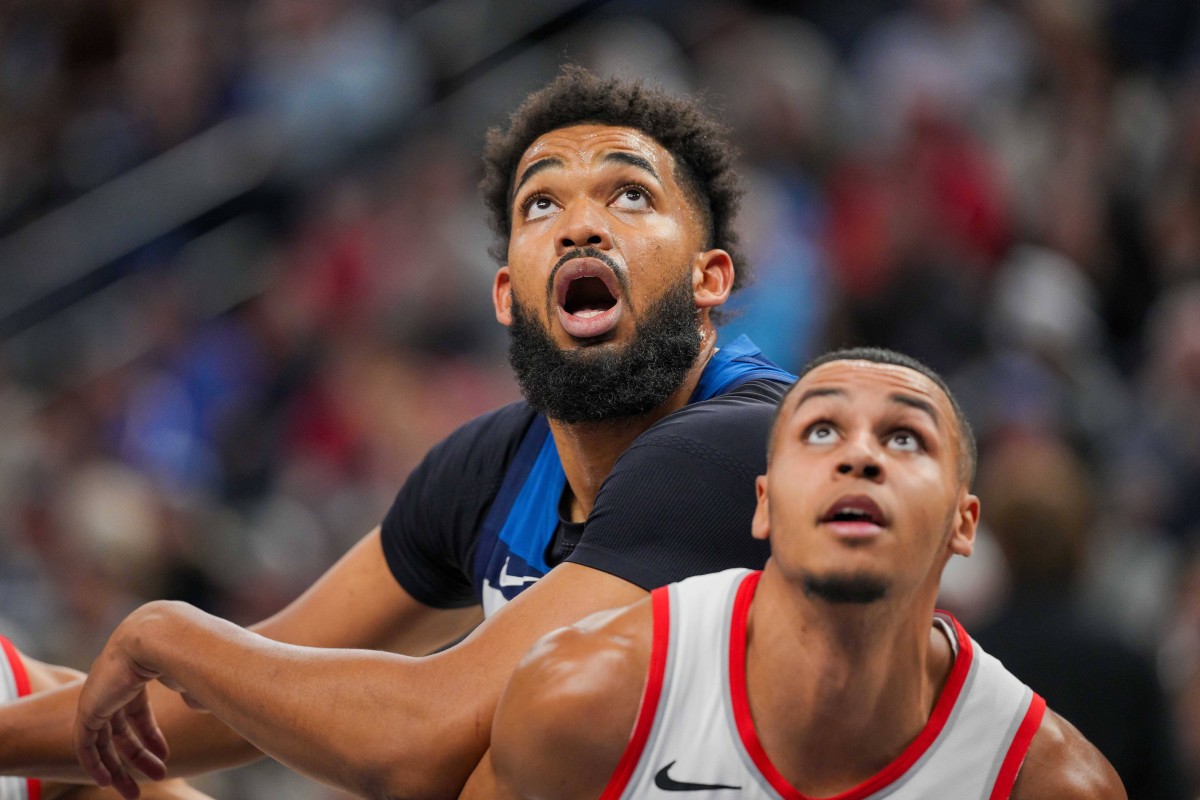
[[14, 683]]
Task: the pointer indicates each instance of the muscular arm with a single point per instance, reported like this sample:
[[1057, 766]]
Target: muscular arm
[[377, 724], [357, 603], [566, 716], [1062, 765]]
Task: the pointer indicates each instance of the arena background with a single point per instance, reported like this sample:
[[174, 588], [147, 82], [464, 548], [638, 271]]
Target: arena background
[[244, 287]]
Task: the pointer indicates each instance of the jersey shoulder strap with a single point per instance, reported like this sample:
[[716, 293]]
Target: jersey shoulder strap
[[14, 683], [738, 363]]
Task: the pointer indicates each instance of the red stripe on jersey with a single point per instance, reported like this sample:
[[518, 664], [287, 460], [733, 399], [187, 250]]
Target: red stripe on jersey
[[18, 667], [660, 600], [745, 721], [21, 678], [1018, 749]]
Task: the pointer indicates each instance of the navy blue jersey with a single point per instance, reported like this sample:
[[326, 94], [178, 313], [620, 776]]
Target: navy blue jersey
[[479, 519]]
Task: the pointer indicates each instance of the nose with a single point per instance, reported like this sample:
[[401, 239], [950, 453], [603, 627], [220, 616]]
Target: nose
[[582, 224], [860, 459]]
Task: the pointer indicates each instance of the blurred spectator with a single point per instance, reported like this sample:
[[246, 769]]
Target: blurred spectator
[[1041, 509], [1180, 664], [1168, 431], [776, 82], [332, 74], [1045, 368], [965, 60]]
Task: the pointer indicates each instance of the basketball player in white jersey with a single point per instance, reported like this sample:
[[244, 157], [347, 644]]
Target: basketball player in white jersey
[[828, 674], [21, 676]]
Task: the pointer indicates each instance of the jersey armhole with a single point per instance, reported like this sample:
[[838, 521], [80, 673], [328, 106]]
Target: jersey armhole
[[648, 708], [21, 681], [1018, 749]]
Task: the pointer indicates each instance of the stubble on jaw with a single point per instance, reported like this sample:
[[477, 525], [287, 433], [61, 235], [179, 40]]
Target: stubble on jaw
[[845, 588]]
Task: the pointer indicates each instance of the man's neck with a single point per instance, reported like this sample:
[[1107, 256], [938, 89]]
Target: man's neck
[[837, 691], [588, 450]]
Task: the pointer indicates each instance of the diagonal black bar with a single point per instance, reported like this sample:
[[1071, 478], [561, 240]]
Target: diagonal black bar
[[546, 30]]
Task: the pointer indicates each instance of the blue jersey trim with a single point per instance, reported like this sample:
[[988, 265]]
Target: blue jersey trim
[[730, 367], [535, 510], [524, 516]]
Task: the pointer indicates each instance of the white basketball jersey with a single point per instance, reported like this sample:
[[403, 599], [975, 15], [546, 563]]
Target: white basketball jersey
[[695, 738], [14, 683]]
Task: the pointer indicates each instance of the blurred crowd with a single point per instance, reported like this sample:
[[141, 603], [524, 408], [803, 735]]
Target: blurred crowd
[[244, 286]]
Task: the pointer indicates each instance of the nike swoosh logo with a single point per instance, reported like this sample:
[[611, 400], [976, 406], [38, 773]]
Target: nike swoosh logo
[[668, 784], [512, 580]]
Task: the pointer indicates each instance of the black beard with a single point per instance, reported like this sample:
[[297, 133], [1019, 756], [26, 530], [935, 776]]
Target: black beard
[[606, 383], [845, 589]]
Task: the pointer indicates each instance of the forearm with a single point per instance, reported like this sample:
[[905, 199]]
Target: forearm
[[36, 736], [368, 722], [379, 725]]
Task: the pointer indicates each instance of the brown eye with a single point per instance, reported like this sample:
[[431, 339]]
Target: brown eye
[[539, 206], [905, 441], [633, 198], [821, 433]]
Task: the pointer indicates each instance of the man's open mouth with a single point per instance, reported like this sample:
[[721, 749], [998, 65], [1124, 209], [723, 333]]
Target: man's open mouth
[[855, 515], [588, 297]]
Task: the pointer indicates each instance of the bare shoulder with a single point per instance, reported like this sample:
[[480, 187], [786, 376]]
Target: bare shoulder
[[570, 707], [43, 676], [1063, 765]]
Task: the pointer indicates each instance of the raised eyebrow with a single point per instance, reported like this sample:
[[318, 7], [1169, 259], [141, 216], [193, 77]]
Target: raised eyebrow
[[919, 404], [633, 160], [531, 170], [809, 394]]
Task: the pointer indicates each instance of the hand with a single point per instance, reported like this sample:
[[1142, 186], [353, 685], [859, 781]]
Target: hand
[[115, 729]]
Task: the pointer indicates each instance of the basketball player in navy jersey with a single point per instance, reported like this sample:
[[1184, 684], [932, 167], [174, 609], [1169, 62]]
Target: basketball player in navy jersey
[[630, 465], [22, 676], [829, 673]]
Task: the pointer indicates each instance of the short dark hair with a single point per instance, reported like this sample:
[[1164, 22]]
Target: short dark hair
[[968, 455], [699, 144]]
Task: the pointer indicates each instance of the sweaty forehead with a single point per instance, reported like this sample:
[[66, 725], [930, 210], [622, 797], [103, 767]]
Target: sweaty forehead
[[584, 145], [869, 376]]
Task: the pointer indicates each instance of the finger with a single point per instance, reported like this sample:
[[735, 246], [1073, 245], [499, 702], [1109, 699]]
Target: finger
[[141, 719], [133, 751], [122, 781], [127, 786], [87, 750]]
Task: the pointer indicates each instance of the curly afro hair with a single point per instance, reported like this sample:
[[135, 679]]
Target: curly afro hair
[[703, 155]]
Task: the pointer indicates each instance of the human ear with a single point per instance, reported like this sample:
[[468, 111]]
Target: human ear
[[502, 296], [966, 522], [760, 527], [712, 278]]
